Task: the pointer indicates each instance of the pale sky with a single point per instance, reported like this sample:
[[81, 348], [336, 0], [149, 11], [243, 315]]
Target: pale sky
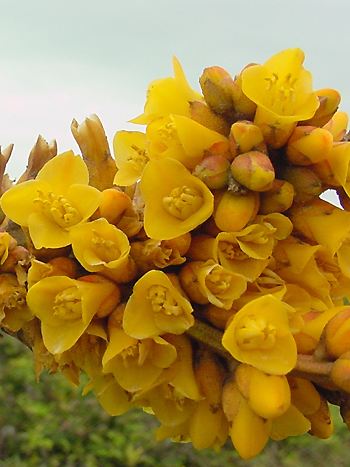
[[68, 59]]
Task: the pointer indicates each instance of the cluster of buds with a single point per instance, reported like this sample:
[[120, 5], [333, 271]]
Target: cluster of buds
[[198, 274]]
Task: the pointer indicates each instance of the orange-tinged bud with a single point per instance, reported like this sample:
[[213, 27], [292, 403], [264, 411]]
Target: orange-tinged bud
[[304, 395], [274, 136], [253, 170], [231, 399], [306, 183], [201, 113], [180, 244], [202, 248], [213, 171], [309, 145], [216, 316], [324, 171], [189, 283], [113, 205], [329, 101], [278, 198], [306, 344], [210, 375], [337, 333], [245, 136], [217, 85], [63, 266], [340, 372], [337, 125], [220, 148], [244, 107], [321, 421], [234, 211], [111, 301]]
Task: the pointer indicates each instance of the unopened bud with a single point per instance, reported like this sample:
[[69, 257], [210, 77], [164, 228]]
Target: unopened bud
[[213, 171], [201, 113], [253, 170], [340, 372], [337, 333], [233, 211], [245, 136], [278, 198], [309, 145], [329, 101], [337, 125], [113, 205], [244, 107], [306, 183], [217, 85]]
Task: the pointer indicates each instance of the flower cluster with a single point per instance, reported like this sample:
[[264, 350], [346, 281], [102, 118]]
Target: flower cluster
[[199, 274]]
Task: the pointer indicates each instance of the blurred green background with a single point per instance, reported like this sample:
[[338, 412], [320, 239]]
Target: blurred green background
[[49, 424]]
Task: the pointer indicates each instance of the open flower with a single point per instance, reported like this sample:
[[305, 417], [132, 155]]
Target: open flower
[[58, 199], [14, 312], [136, 364], [156, 307], [100, 246], [180, 202], [259, 335], [282, 87], [208, 282], [181, 138], [130, 156], [168, 95], [66, 307]]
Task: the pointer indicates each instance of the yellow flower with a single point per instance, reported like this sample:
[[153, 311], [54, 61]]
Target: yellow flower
[[130, 156], [58, 199], [179, 203], [282, 87], [156, 307], [246, 252], [6, 242], [66, 307], [168, 95], [180, 138], [100, 246], [136, 364], [14, 312], [208, 282], [259, 335]]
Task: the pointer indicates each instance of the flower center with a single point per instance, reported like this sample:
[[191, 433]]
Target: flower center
[[182, 202], [137, 352], [58, 208], [67, 304], [256, 333], [281, 92], [162, 301], [107, 250], [138, 158], [232, 251], [14, 299], [218, 281]]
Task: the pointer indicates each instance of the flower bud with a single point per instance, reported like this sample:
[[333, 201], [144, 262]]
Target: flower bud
[[337, 333], [306, 183], [234, 211], [309, 145], [337, 125], [201, 113], [245, 136], [244, 107], [253, 170], [213, 171], [329, 101], [278, 198], [217, 85], [216, 316], [41, 153], [113, 205], [110, 301], [340, 372], [63, 266]]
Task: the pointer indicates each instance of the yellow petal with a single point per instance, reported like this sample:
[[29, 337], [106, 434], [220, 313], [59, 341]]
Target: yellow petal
[[291, 423], [64, 170], [130, 156], [163, 220], [46, 233]]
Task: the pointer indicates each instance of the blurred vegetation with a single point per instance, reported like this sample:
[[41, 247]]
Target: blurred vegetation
[[50, 424]]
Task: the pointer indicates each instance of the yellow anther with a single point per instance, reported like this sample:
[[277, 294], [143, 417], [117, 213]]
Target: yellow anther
[[182, 202], [255, 333], [67, 304], [218, 281], [138, 158], [107, 249], [162, 301], [58, 208], [232, 251]]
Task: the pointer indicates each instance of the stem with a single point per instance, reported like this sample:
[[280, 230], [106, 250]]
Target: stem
[[308, 364], [210, 337]]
